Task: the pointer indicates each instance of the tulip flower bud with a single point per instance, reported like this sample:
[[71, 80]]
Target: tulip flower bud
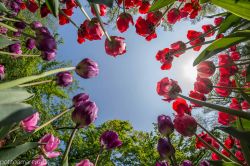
[[116, 46], [186, 163], [29, 124], [64, 79], [30, 44], [49, 145], [3, 30], [20, 25], [110, 140], [165, 125], [80, 98], [35, 25], [205, 69], [48, 56], [186, 125], [165, 148], [15, 48], [39, 161], [204, 163], [87, 68], [2, 72], [85, 114], [85, 162], [161, 163]]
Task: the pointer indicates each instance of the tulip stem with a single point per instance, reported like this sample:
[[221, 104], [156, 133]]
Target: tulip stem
[[53, 119], [35, 83], [228, 65], [66, 153], [97, 157], [72, 22], [23, 80], [14, 129], [238, 113], [16, 30], [82, 9], [213, 149], [17, 55], [219, 142], [123, 3], [100, 21], [173, 156], [225, 87]]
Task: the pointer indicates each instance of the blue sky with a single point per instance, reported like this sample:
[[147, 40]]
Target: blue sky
[[126, 86]]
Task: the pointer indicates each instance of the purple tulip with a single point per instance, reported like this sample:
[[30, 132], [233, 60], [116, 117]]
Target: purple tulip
[[29, 124], [48, 56], [15, 7], [3, 30], [186, 163], [85, 162], [204, 163], [85, 114], [30, 43], [2, 72], [165, 125], [161, 163], [20, 25], [165, 149], [46, 43], [35, 25], [42, 32], [87, 68], [64, 79], [50, 143], [39, 161], [18, 33], [80, 98], [15, 48], [110, 140]]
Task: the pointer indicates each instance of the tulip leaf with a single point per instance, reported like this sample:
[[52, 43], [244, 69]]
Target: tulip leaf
[[3, 8], [108, 3], [248, 74], [245, 123], [53, 6], [12, 153], [240, 8], [14, 113], [203, 1], [4, 42], [241, 135], [221, 44], [4, 131], [230, 20], [160, 4], [13, 95], [223, 163]]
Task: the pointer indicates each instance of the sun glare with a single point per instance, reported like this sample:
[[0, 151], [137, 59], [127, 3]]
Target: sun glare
[[189, 71]]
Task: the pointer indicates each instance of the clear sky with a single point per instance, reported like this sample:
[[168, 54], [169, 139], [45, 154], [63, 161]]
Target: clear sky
[[126, 86]]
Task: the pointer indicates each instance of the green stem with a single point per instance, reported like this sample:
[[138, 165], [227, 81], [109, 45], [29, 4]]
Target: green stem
[[82, 9], [16, 128], [72, 22], [213, 149], [66, 153], [100, 21], [18, 55], [53, 119], [123, 3], [15, 30], [218, 141], [228, 65], [23, 80], [98, 156], [35, 83], [242, 114], [173, 156], [225, 87]]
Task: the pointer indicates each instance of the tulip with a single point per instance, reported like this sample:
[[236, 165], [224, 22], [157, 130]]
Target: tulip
[[64, 79], [2, 72], [204, 163], [206, 69], [80, 98], [186, 163], [48, 56], [123, 21], [165, 148], [36, 24], [161, 163], [186, 125], [218, 21], [39, 161], [173, 16], [49, 144], [15, 48], [20, 25], [165, 125], [30, 44], [85, 162], [29, 124], [87, 68], [116, 46], [203, 85], [110, 140]]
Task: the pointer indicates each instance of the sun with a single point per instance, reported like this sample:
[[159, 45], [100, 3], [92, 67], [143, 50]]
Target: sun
[[189, 70]]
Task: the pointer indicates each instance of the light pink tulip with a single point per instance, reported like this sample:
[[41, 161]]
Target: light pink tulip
[[50, 144], [30, 123], [85, 162], [39, 161]]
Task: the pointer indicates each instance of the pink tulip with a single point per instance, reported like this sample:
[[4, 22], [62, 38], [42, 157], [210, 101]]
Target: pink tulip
[[30, 123], [85, 162], [50, 143], [39, 161]]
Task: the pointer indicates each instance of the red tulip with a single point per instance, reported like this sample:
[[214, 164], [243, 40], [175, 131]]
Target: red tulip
[[123, 21]]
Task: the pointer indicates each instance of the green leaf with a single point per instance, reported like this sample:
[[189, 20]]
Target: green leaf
[[240, 8], [108, 3], [204, 1], [222, 44], [4, 42], [53, 6], [12, 153], [241, 135], [248, 74], [160, 4], [230, 21], [223, 163], [14, 113], [3, 8], [13, 95], [245, 124], [4, 131]]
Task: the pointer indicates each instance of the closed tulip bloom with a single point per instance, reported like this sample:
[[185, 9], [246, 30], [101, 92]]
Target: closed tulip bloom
[[46, 43], [186, 163], [161, 163], [179, 47], [195, 39], [218, 21], [2, 72], [205, 69], [197, 96], [165, 125], [85, 162], [208, 29], [64, 79], [229, 142], [123, 21], [35, 25], [168, 88], [49, 145], [235, 56], [48, 56], [87, 68], [215, 157], [144, 7], [44, 10], [110, 140], [30, 44], [203, 85], [15, 48], [186, 125], [3, 30], [116, 46], [165, 148], [173, 16], [39, 161], [181, 107], [29, 124], [85, 114], [224, 92], [32, 6], [80, 98], [20, 25], [204, 163], [102, 10]]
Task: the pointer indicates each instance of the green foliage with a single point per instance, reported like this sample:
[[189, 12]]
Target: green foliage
[[53, 6], [4, 42], [160, 4], [108, 3], [230, 20]]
